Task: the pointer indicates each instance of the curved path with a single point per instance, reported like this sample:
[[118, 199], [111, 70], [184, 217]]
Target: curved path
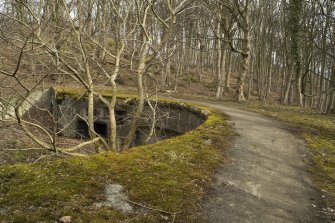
[[266, 179]]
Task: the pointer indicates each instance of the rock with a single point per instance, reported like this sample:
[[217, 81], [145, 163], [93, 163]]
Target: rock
[[205, 112], [170, 92], [65, 219], [116, 198], [208, 142]]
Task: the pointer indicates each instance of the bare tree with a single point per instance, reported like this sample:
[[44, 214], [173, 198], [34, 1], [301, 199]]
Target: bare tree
[[150, 49]]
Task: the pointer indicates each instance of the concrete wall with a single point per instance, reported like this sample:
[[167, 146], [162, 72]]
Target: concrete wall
[[172, 119], [41, 99], [71, 114]]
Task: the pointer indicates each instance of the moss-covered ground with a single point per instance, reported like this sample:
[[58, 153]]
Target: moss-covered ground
[[106, 92], [171, 175]]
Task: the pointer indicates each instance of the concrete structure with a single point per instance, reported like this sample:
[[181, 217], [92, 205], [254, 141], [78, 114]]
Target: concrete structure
[[42, 99], [171, 119], [71, 114]]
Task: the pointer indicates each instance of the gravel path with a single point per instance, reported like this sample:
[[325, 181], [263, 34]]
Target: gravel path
[[266, 179]]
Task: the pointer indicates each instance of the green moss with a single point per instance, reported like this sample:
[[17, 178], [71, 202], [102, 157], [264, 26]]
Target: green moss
[[171, 175], [80, 92]]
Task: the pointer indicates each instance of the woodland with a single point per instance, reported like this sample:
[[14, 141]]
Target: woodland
[[281, 51], [267, 50], [250, 53]]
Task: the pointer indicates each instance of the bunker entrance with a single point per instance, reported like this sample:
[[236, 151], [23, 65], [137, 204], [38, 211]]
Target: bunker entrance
[[100, 128], [170, 120], [82, 129], [120, 117]]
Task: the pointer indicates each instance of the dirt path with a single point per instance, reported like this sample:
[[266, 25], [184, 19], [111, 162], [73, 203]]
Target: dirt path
[[266, 179]]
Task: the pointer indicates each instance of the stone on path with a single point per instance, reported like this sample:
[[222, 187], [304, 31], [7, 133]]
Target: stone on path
[[65, 219]]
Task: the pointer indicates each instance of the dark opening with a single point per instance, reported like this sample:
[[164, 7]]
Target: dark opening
[[139, 138], [82, 129], [120, 116], [160, 134], [101, 129]]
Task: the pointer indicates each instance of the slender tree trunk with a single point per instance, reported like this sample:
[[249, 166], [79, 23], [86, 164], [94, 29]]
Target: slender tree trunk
[[245, 67], [228, 72], [218, 66], [289, 77], [223, 68], [140, 92], [251, 80], [111, 105], [322, 86], [330, 107], [168, 72], [90, 99], [300, 97], [295, 15], [201, 62], [103, 28]]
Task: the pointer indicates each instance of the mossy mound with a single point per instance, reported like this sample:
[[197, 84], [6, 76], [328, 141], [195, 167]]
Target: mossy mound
[[171, 175]]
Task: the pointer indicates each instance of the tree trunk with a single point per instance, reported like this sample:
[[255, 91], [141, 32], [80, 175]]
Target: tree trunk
[[103, 29], [111, 105], [90, 104], [289, 77], [245, 66], [140, 91], [330, 107], [218, 66], [228, 72]]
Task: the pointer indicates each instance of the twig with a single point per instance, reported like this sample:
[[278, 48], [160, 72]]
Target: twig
[[174, 217], [154, 209], [74, 154], [23, 149], [44, 156], [131, 219]]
